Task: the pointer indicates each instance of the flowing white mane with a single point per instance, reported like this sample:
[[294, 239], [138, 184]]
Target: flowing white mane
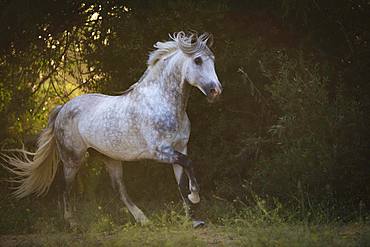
[[188, 44]]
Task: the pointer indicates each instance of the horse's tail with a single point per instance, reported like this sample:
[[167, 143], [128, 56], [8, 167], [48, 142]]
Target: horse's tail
[[35, 171]]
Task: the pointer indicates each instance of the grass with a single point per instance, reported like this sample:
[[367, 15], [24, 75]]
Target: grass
[[242, 234], [227, 226]]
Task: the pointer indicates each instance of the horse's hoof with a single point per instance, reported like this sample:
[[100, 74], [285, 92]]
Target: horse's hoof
[[143, 220], [194, 197], [198, 223]]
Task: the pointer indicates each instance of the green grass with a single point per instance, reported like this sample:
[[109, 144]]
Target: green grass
[[242, 234], [227, 226]]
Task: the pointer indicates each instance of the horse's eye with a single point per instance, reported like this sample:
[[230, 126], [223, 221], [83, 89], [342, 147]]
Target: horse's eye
[[198, 61]]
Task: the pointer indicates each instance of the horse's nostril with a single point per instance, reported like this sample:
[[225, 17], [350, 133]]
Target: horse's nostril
[[212, 91]]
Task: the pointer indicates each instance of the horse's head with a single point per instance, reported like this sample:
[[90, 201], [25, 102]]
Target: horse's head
[[199, 65]]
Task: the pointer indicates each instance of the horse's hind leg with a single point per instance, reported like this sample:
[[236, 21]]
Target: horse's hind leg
[[114, 168], [71, 164], [69, 176]]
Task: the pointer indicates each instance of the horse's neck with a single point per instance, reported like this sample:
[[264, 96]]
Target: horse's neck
[[167, 77], [177, 89]]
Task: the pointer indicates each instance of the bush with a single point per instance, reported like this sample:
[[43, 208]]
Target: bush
[[313, 131]]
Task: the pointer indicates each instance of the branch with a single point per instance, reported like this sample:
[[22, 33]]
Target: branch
[[42, 102], [79, 86], [56, 91], [68, 42], [253, 86]]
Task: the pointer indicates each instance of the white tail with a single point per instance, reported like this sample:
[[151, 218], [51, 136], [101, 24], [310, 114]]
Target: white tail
[[35, 175]]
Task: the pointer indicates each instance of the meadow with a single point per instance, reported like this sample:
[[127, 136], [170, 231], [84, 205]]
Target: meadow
[[228, 224]]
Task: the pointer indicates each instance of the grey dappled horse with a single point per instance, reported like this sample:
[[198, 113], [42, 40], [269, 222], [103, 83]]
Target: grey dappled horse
[[148, 121]]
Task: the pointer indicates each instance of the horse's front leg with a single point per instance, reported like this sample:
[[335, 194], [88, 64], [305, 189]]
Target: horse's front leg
[[170, 155], [183, 174], [190, 208]]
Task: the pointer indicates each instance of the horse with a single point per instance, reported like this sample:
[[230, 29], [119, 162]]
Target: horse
[[147, 121]]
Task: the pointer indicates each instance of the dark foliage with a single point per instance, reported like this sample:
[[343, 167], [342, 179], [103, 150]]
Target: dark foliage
[[293, 123]]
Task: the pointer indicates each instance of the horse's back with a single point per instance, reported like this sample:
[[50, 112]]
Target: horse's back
[[70, 116], [80, 105]]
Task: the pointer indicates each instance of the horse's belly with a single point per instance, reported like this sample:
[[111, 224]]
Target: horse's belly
[[131, 149], [119, 145]]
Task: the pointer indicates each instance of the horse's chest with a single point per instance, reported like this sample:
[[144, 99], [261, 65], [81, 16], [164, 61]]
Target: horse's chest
[[162, 123], [166, 123]]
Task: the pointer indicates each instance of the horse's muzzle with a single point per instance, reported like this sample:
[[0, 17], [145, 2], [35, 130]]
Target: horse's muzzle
[[213, 92]]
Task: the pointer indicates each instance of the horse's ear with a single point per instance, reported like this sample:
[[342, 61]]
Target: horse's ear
[[209, 40]]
